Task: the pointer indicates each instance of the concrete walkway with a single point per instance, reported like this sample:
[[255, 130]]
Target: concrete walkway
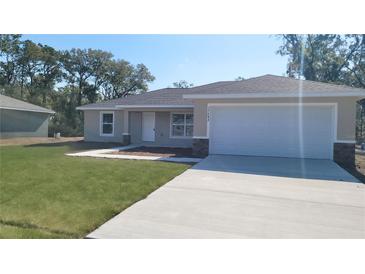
[[107, 153], [248, 197]]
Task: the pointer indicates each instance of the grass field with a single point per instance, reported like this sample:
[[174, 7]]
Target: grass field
[[45, 194]]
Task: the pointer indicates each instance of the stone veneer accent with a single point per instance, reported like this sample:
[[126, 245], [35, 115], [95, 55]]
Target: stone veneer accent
[[126, 139], [200, 147], [344, 153]]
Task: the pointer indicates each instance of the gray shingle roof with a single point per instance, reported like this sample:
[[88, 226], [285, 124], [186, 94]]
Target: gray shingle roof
[[271, 84], [166, 96], [258, 85], [7, 102]]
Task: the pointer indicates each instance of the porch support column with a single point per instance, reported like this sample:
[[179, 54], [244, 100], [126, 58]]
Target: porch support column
[[200, 143], [344, 153], [126, 133], [200, 146]]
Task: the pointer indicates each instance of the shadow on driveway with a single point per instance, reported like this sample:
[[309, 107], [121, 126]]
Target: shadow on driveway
[[277, 166]]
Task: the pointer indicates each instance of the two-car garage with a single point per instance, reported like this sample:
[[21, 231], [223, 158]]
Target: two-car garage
[[279, 130]]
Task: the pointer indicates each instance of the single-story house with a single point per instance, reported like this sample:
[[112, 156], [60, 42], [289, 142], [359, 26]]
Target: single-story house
[[22, 119], [262, 116]]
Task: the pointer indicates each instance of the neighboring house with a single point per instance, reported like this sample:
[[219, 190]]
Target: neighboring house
[[263, 116], [22, 119]]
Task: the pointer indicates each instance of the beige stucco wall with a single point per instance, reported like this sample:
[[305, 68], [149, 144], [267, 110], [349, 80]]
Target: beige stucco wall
[[346, 111], [200, 119], [92, 127], [162, 130], [162, 127]]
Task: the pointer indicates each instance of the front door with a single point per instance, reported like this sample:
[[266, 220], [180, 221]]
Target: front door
[[148, 126]]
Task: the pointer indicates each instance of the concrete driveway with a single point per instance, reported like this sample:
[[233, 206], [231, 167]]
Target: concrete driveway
[[248, 197]]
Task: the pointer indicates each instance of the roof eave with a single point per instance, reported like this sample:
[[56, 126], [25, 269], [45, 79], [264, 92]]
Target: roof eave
[[31, 110], [95, 108], [274, 95], [153, 106], [119, 107]]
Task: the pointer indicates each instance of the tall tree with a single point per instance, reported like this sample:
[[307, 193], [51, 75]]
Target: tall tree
[[48, 71], [122, 79], [355, 68], [77, 66], [29, 63], [66, 119], [64, 80], [326, 57], [182, 84], [28, 68], [9, 49]]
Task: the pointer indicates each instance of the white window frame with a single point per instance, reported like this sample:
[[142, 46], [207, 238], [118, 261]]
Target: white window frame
[[185, 124], [101, 123]]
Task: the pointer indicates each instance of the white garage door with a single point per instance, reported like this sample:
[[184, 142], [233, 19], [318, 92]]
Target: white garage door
[[280, 130]]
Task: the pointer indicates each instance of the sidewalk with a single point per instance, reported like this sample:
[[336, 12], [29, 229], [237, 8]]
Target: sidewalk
[[107, 153]]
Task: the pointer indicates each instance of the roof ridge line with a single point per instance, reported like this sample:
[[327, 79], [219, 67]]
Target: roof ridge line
[[210, 84], [312, 81]]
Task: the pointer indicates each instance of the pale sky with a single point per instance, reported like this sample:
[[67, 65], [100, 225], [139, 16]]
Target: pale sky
[[199, 59]]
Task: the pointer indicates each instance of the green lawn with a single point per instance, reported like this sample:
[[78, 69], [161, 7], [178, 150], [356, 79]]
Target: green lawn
[[45, 194]]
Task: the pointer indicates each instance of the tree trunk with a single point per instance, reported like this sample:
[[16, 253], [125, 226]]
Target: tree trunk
[[362, 112], [44, 98], [79, 95], [22, 90]]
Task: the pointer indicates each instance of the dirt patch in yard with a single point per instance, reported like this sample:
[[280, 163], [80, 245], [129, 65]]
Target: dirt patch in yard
[[358, 170], [75, 144], [158, 152], [78, 146], [37, 140]]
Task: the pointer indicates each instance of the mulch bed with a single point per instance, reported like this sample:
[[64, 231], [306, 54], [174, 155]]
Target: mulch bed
[[158, 152]]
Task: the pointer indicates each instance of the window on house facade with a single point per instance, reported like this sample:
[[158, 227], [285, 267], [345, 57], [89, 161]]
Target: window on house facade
[[182, 125], [107, 123]]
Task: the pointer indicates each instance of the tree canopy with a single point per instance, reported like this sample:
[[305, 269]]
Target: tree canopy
[[182, 84], [240, 78], [329, 58], [63, 80]]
